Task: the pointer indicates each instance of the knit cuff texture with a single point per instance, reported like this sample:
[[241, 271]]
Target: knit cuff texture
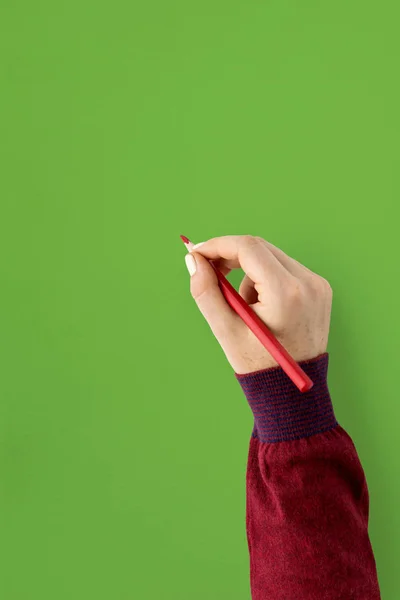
[[281, 412]]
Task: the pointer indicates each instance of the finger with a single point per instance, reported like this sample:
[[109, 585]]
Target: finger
[[222, 267], [291, 264], [248, 291], [224, 322], [248, 252]]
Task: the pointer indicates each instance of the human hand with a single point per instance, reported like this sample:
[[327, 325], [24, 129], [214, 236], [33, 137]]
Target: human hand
[[293, 302]]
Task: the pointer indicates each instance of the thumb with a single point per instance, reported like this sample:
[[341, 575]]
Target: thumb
[[224, 322]]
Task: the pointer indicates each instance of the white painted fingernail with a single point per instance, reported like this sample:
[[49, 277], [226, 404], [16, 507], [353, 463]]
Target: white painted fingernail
[[191, 264], [197, 245]]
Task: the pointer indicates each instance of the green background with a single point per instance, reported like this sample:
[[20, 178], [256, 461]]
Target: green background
[[123, 433]]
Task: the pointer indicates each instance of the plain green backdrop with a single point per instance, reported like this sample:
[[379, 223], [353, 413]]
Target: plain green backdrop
[[123, 432]]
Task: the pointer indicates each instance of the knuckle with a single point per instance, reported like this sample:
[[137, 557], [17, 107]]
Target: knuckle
[[248, 241], [293, 296], [259, 239], [328, 288], [321, 287], [199, 288], [197, 291], [295, 291], [324, 285]]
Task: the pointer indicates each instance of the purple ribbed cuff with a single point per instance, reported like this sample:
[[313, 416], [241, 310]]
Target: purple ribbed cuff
[[283, 413]]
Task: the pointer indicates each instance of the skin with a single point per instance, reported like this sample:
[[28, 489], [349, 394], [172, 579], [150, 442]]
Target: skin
[[293, 301]]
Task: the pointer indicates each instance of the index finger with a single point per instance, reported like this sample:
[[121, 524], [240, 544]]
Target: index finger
[[248, 252]]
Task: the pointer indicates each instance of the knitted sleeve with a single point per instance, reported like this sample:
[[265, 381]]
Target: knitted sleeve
[[306, 494]]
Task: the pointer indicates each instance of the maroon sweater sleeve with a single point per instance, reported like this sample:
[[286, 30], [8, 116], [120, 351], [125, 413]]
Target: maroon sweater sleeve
[[307, 498]]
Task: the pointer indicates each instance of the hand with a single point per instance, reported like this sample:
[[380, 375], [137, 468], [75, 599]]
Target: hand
[[294, 302]]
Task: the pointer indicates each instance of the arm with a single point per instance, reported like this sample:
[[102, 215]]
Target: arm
[[307, 498]]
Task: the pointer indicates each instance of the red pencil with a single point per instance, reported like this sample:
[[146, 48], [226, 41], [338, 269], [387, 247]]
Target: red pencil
[[260, 330]]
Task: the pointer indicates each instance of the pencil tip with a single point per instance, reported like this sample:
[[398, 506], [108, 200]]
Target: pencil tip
[[184, 239]]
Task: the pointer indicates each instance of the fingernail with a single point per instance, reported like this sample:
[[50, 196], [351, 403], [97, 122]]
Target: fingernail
[[191, 264], [197, 245]]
